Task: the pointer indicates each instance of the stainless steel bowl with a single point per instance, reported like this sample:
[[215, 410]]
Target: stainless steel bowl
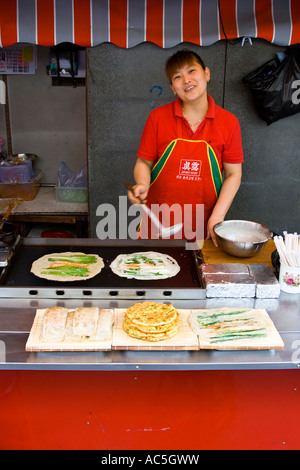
[[242, 238]]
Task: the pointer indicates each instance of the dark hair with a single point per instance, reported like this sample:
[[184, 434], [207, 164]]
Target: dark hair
[[179, 59]]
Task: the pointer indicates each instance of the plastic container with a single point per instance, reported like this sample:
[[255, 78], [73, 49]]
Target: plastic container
[[55, 233], [71, 194], [23, 190], [289, 279], [16, 173]]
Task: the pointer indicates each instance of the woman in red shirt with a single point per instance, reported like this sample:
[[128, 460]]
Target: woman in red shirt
[[190, 154]]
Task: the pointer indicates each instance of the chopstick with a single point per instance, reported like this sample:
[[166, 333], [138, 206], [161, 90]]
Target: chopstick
[[7, 212], [288, 249]]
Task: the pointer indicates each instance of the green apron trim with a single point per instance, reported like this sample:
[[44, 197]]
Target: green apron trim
[[162, 161], [215, 170]]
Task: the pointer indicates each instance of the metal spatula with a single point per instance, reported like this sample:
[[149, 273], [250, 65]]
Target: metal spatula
[[165, 232]]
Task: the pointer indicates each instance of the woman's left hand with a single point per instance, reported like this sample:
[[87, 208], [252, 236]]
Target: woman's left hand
[[231, 184], [212, 221]]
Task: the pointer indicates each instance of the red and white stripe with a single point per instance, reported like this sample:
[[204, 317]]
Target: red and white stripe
[[166, 23]]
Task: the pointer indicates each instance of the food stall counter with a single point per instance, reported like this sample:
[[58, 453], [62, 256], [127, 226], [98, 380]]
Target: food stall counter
[[187, 399]]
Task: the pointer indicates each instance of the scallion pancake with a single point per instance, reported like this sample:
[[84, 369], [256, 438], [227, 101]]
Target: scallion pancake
[[138, 334], [150, 321], [151, 314]]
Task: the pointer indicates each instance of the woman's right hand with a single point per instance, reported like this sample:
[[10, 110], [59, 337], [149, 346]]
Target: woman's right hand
[[138, 194]]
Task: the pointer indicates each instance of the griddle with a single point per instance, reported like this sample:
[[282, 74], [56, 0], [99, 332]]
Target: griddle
[[17, 280]]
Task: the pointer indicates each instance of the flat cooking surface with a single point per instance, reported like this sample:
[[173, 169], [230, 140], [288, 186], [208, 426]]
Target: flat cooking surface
[[19, 275]]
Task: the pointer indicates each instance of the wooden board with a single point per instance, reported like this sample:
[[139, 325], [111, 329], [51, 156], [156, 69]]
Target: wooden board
[[257, 319], [213, 254], [35, 343], [189, 336], [185, 339]]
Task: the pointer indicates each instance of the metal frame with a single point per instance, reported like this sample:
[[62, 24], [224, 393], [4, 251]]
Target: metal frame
[[98, 293], [17, 315]]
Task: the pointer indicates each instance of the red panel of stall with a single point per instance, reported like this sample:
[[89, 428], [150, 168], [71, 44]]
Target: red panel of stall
[[161, 410]]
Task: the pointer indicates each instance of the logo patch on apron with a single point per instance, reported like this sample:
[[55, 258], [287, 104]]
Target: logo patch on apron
[[189, 168]]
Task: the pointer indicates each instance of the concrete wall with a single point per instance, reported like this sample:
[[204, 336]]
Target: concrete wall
[[124, 85], [270, 192], [46, 120]]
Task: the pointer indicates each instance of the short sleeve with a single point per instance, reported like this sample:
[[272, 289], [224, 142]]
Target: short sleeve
[[148, 144], [233, 150]]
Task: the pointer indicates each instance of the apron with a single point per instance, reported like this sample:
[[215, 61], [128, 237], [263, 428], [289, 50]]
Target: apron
[[186, 175]]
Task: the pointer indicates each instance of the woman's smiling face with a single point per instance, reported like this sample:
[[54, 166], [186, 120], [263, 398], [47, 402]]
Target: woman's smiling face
[[190, 81]]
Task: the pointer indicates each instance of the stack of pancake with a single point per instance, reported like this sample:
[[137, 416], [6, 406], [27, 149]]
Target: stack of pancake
[[151, 321]]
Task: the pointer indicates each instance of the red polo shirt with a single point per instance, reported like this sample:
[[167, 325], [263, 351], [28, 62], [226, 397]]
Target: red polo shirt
[[224, 133]]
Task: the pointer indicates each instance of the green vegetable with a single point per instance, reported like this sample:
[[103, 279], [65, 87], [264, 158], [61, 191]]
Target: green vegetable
[[142, 258], [67, 271], [137, 272], [220, 320], [83, 259], [241, 323], [222, 314], [217, 317], [239, 334]]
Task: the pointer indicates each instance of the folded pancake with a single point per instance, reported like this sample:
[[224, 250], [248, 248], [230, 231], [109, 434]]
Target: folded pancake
[[85, 321], [70, 335], [104, 326], [54, 323]]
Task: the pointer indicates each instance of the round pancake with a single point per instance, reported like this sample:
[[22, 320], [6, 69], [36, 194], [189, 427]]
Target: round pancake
[[154, 329], [41, 265], [138, 334], [145, 265], [151, 314]]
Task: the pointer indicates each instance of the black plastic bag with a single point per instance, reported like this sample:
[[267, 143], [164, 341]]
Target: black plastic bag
[[274, 86]]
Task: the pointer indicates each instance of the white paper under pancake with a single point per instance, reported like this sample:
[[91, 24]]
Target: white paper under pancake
[[235, 328]]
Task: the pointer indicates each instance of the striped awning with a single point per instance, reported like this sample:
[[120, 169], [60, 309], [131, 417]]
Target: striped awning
[[166, 23]]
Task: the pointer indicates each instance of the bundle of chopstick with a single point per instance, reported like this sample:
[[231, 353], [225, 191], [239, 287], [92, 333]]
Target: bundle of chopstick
[[288, 248]]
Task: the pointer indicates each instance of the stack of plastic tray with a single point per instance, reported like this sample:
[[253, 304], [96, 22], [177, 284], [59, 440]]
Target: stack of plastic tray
[[26, 190]]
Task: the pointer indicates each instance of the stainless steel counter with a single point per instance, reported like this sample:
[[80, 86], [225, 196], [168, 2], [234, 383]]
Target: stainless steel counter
[[17, 315]]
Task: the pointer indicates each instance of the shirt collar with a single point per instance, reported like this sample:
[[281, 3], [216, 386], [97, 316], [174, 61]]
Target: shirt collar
[[211, 112]]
